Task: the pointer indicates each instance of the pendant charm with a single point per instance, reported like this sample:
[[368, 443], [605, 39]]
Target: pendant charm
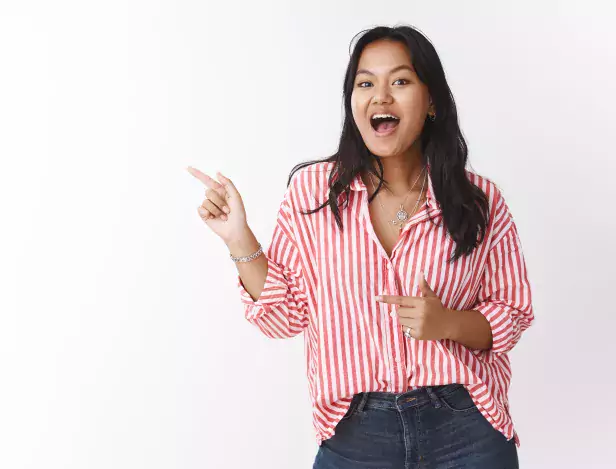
[[401, 217]]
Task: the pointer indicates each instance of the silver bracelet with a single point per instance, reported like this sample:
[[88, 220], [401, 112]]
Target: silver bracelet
[[249, 258]]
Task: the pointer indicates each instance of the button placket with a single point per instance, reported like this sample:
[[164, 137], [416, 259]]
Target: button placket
[[387, 275], [391, 282]]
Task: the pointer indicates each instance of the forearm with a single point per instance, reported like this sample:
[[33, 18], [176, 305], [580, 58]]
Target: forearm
[[253, 273], [470, 328]]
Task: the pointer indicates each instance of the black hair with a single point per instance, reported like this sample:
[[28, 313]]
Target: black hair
[[464, 205]]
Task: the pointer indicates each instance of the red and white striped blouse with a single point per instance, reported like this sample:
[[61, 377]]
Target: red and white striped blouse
[[323, 282]]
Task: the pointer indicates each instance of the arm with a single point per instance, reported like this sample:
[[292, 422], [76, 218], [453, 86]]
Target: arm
[[272, 287], [503, 309], [469, 328], [253, 274]]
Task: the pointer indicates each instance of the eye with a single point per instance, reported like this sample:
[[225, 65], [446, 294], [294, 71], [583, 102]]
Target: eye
[[359, 85]]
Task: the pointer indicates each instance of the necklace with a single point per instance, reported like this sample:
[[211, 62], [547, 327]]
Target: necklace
[[402, 216]]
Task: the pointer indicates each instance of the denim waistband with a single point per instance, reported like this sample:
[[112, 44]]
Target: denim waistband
[[401, 401]]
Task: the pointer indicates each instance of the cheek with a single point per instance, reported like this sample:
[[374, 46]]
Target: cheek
[[414, 121], [359, 105], [355, 108], [354, 111], [415, 105]]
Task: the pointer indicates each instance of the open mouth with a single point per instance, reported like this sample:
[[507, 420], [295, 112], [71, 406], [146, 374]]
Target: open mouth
[[384, 123]]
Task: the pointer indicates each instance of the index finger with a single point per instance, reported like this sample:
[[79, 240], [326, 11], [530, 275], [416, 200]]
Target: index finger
[[395, 300], [204, 178]]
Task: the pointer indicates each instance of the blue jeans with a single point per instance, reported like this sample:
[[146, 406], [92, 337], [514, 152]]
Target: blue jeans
[[436, 427]]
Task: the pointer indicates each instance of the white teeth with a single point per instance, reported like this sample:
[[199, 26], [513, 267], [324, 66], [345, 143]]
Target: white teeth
[[383, 116]]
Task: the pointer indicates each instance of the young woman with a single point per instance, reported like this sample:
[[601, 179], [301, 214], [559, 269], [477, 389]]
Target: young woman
[[403, 269]]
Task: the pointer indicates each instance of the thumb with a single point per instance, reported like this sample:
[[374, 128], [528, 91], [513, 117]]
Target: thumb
[[424, 287]]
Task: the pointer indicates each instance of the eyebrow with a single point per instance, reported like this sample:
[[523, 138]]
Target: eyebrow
[[395, 69]]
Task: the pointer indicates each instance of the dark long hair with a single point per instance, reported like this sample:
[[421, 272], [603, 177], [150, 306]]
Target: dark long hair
[[464, 205]]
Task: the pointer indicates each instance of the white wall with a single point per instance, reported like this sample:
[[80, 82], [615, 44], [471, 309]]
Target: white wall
[[122, 338]]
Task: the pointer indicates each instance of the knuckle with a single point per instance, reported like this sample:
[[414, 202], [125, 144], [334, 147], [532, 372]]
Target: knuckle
[[212, 207]]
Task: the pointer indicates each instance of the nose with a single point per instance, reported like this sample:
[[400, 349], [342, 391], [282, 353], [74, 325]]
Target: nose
[[381, 95]]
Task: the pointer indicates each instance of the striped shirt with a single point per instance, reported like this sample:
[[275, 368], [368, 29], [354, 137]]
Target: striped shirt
[[323, 282]]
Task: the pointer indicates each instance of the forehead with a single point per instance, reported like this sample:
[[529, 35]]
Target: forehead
[[382, 55]]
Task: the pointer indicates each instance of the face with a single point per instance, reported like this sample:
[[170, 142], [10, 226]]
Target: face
[[386, 84]]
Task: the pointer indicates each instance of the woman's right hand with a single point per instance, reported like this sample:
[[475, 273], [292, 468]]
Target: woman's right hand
[[229, 226]]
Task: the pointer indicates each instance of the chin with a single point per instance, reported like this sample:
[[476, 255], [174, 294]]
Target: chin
[[382, 153], [386, 149]]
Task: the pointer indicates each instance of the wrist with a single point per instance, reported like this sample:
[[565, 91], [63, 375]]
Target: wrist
[[243, 243], [453, 322]]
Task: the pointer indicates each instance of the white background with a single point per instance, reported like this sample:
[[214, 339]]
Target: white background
[[122, 337]]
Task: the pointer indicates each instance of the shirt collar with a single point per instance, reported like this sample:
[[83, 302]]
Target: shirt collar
[[357, 184]]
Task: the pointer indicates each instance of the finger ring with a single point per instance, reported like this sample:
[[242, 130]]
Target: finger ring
[[407, 332]]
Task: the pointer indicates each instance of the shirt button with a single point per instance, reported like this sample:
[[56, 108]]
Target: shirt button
[[392, 314]]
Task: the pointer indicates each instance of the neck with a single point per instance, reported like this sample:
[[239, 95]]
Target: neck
[[399, 172]]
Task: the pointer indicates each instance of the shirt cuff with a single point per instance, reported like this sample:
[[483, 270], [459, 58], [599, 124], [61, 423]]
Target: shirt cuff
[[501, 323], [274, 290]]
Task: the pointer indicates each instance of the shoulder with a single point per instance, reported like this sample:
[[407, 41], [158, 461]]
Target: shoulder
[[309, 185], [489, 188], [500, 220]]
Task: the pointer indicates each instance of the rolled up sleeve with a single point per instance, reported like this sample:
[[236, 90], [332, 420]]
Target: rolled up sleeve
[[504, 296], [281, 311]]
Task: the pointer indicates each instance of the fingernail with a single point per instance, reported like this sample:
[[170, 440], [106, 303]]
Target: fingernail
[[226, 209], [224, 217], [379, 298]]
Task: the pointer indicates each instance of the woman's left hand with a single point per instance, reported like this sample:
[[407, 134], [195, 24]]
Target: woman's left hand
[[425, 315]]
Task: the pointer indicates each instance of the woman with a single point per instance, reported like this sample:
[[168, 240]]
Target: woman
[[410, 305]]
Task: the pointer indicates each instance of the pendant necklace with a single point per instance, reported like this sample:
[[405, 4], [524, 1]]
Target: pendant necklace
[[402, 216]]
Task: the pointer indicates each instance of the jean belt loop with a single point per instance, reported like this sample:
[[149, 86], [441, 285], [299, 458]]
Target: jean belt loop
[[362, 402], [436, 402]]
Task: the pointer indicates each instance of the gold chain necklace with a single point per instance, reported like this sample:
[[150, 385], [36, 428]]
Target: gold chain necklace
[[402, 216]]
